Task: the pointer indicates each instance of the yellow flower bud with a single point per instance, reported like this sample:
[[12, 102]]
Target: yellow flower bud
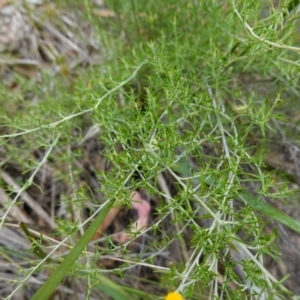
[[174, 296]]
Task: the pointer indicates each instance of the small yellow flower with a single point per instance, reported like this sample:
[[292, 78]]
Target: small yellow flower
[[174, 296]]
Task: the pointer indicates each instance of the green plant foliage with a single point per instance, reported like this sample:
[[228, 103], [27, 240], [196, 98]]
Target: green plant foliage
[[192, 89]]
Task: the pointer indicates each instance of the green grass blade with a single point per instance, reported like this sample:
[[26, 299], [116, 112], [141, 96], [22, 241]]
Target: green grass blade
[[270, 211], [111, 289], [184, 168], [36, 248], [120, 292], [57, 276], [139, 293]]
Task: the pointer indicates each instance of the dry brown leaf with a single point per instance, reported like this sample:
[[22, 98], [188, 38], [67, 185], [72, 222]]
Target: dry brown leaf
[[110, 217], [143, 209], [3, 3], [104, 13]]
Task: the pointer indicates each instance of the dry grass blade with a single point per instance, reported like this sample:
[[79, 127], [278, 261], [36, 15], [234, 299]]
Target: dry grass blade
[[24, 196], [16, 213]]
